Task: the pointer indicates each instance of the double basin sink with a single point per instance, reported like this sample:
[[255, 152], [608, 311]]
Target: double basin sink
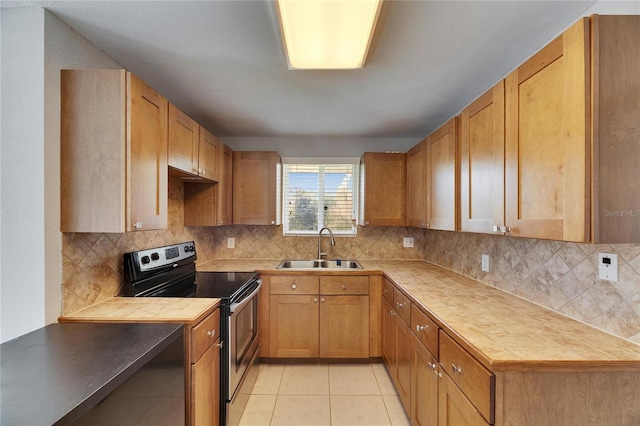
[[319, 264]]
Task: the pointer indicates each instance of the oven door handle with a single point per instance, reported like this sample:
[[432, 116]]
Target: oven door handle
[[237, 306]]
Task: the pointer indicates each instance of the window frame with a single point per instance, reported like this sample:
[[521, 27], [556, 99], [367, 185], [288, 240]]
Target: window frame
[[321, 161]]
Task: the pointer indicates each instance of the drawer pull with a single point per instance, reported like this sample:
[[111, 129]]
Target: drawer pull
[[211, 333], [438, 373], [456, 369], [386, 290], [344, 286], [392, 312], [220, 345], [293, 286], [315, 300], [420, 328], [401, 305], [322, 299], [432, 365]]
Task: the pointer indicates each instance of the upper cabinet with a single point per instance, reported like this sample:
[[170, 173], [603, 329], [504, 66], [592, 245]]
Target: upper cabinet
[[482, 162], [441, 179], [547, 150], [385, 189], [113, 153], [193, 150], [417, 185], [615, 117], [256, 188], [210, 204]]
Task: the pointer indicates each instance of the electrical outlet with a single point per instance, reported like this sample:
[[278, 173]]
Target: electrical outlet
[[608, 266], [407, 242], [485, 262], [231, 243]]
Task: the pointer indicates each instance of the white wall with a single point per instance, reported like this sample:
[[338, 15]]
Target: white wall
[[35, 46]]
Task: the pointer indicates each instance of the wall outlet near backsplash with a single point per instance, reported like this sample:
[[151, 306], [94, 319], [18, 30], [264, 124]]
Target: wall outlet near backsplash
[[608, 266], [231, 242], [407, 242]]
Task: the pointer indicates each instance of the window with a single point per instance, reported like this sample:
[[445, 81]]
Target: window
[[320, 195]]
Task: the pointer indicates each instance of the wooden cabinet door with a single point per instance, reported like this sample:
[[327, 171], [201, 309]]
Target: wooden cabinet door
[[424, 386], [255, 188], [454, 409], [404, 357], [442, 187], [385, 189], [344, 326], [209, 151], [205, 388], [224, 189], [184, 136], [547, 150], [417, 186], [388, 336], [482, 162], [293, 326], [147, 181]]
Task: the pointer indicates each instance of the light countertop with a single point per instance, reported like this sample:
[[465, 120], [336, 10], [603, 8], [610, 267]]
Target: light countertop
[[503, 331]]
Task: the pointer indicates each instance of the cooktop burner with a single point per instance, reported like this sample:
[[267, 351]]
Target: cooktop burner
[[223, 285]]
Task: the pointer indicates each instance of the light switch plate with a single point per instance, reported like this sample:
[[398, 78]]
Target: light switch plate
[[485, 262], [407, 242], [608, 266], [231, 243]]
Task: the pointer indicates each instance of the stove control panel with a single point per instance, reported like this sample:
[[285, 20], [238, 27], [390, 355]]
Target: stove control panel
[[163, 256]]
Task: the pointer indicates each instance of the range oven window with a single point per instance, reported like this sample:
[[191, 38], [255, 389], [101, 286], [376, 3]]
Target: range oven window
[[246, 323]]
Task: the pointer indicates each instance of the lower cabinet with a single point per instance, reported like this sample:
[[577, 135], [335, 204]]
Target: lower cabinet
[[424, 386], [454, 409], [388, 334], [319, 316], [402, 368], [204, 391]]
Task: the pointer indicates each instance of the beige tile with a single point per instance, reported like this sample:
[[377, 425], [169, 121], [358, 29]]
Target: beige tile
[[269, 378], [304, 410], [352, 380], [259, 410], [355, 410], [385, 384], [305, 380], [396, 412]]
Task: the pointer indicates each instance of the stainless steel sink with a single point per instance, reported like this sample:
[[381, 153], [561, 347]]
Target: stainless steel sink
[[319, 264]]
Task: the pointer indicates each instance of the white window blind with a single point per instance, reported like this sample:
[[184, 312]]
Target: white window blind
[[320, 195]]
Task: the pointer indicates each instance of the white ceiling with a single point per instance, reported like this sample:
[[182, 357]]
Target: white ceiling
[[222, 61]]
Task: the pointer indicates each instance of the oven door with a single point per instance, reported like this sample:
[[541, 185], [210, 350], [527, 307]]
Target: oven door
[[243, 336]]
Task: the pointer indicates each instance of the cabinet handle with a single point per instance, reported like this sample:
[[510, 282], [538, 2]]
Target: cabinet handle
[[220, 345], [421, 327], [438, 373], [392, 312], [315, 300], [273, 222], [456, 369], [432, 365], [401, 305], [322, 299], [211, 333], [221, 223], [293, 286], [203, 172], [386, 290], [344, 286], [366, 222]]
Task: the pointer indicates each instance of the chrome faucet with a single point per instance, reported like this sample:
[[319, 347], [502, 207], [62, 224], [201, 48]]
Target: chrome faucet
[[332, 242]]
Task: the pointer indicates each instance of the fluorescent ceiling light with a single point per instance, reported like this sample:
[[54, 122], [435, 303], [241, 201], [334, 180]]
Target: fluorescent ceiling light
[[327, 34]]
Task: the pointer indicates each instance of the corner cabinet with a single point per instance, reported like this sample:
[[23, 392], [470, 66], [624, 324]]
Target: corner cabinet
[[113, 153], [384, 179], [210, 204], [256, 188]]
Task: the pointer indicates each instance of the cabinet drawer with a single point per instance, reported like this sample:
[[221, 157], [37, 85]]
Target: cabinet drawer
[[204, 334], [474, 380], [402, 305], [344, 285], [387, 290], [294, 285], [425, 330]]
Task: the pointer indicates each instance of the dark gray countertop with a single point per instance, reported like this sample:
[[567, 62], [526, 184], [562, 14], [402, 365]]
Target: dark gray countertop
[[57, 373]]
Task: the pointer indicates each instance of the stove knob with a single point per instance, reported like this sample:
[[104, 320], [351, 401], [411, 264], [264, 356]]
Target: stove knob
[[155, 256], [145, 260]]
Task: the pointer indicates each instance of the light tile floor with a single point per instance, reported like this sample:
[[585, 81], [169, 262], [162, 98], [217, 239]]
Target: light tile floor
[[321, 394]]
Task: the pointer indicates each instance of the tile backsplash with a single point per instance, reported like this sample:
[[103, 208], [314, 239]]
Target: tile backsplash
[[559, 275], [92, 264]]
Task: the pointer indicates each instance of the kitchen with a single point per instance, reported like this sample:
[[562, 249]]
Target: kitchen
[[34, 222]]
